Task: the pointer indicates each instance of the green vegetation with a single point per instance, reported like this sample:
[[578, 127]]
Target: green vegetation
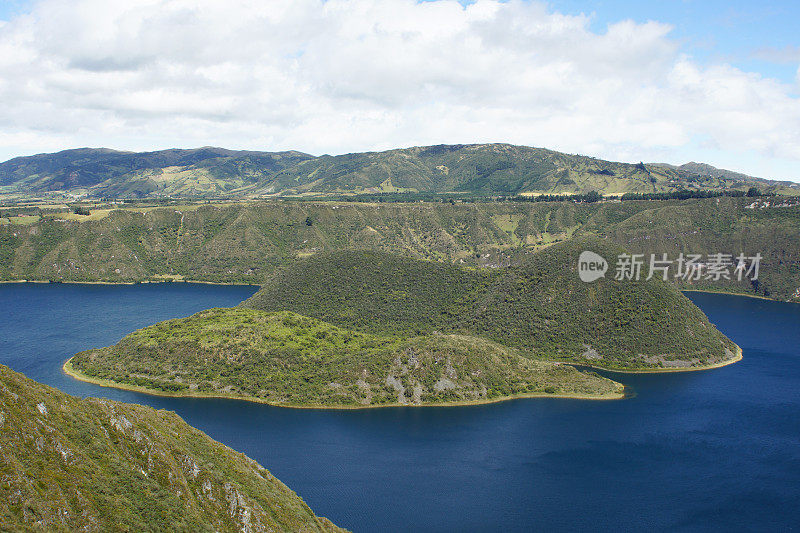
[[247, 242], [288, 359], [476, 169], [538, 306], [769, 226], [686, 194], [362, 304], [97, 465], [200, 172]]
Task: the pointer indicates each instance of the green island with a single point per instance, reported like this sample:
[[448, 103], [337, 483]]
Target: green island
[[287, 359], [70, 464], [356, 329], [539, 306]]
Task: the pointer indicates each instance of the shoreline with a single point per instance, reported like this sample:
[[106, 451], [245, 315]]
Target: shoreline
[[736, 358], [256, 283], [143, 282], [746, 295], [75, 374], [67, 369]]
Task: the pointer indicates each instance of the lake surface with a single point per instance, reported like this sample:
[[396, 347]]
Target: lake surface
[[715, 450]]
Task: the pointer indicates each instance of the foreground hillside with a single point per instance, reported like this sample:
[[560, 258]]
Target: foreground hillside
[[287, 359], [247, 242], [68, 464], [480, 169], [539, 306]]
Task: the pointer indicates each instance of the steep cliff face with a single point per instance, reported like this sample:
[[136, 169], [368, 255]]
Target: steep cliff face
[[68, 464]]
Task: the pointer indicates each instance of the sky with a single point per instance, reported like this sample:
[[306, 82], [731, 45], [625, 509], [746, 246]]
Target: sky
[[670, 81]]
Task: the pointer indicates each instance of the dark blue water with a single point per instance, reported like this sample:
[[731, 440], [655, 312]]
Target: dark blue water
[[714, 450]]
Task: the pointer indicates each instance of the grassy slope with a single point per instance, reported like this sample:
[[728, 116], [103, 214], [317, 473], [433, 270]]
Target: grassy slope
[[477, 169], [287, 359], [539, 306], [492, 169], [247, 242], [487, 168], [97, 465], [196, 172]]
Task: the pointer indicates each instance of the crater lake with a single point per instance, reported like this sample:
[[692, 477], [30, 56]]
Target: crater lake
[[714, 450]]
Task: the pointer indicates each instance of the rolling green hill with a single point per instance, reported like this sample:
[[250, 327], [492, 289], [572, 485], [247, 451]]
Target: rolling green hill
[[98, 465], [102, 172], [477, 169], [247, 242], [492, 169], [539, 306], [288, 359]]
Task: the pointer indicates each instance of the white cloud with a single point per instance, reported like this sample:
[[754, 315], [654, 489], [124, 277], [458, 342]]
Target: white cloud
[[353, 75], [787, 54]]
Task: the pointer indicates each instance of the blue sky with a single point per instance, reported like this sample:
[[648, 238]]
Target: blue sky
[[722, 86], [734, 31], [10, 8], [762, 37], [740, 32]]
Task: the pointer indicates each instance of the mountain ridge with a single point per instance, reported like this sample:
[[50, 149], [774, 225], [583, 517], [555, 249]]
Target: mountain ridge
[[482, 169]]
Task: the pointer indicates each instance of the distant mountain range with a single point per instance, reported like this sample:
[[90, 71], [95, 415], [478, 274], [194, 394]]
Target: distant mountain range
[[481, 169]]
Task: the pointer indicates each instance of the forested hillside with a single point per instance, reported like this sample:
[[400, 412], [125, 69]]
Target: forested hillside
[[538, 305]]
